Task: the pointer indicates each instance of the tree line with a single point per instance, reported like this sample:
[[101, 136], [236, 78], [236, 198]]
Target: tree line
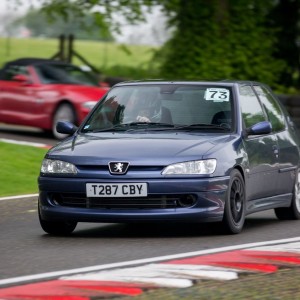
[[211, 39]]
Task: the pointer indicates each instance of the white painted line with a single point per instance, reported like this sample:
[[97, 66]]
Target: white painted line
[[291, 247], [56, 274], [18, 197], [39, 145]]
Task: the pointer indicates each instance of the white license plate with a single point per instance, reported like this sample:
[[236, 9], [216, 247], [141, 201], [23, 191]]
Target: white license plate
[[116, 190]]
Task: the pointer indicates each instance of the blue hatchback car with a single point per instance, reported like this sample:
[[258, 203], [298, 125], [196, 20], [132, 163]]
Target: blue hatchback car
[[158, 151]]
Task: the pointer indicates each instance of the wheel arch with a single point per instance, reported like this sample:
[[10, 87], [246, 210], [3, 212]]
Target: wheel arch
[[235, 202], [241, 170], [65, 101]]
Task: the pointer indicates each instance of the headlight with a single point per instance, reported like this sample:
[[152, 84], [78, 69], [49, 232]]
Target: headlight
[[50, 166], [89, 104], [196, 167]]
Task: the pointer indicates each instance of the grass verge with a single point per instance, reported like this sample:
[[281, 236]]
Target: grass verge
[[20, 166]]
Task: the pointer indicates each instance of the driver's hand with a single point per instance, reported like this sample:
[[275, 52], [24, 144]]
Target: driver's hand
[[142, 119]]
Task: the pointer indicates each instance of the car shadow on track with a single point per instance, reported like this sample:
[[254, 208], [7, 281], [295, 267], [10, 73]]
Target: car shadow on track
[[166, 230]]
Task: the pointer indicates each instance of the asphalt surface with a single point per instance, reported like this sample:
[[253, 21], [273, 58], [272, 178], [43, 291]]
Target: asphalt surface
[[25, 249], [29, 134]]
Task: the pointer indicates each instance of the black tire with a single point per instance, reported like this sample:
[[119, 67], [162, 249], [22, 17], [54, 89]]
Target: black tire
[[235, 203], [58, 228], [64, 112], [292, 212]]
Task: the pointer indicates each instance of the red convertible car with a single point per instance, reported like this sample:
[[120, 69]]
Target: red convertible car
[[40, 92]]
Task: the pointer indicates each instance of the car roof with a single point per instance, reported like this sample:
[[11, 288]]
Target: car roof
[[32, 61], [225, 82]]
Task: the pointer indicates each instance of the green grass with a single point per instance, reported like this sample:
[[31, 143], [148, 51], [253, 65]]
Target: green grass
[[100, 54], [20, 166]]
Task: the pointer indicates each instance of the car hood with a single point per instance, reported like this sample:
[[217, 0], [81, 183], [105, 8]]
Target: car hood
[[142, 149]]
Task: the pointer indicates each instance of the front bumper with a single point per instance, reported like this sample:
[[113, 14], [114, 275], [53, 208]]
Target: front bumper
[[207, 206]]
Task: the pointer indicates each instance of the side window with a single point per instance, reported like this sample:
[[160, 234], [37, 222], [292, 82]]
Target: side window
[[11, 71], [272, 108], [251, 109]]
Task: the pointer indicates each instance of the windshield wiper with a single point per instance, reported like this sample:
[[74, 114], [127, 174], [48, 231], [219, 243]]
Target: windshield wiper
[[201, 126], [133, 126], [116, 127], [148, 123], [148, 126], [136, 126]]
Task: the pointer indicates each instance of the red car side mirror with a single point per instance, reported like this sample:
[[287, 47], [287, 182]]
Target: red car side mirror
[[21, 78]]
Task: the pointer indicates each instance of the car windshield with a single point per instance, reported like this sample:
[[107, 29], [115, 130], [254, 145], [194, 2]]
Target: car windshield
[[163, 107], [66, 74]]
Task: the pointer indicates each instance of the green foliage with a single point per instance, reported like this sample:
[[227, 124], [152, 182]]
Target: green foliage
[[129, 9], [217, 42], [87, 26], [238, 39], [285, 16], [122, 73], [20, 166]]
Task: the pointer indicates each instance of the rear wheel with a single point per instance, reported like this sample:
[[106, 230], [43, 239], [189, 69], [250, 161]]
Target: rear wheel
[[234, 212], [292, 212], [64, 112], [57, 227]]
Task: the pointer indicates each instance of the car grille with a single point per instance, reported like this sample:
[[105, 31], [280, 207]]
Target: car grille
[[150, 202]]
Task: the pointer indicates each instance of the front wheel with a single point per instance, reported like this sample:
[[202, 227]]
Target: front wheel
[[292, 212], [58, 228], [64, 112], [234, 211]]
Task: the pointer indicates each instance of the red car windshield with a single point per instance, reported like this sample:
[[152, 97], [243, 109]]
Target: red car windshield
[[64, 74]]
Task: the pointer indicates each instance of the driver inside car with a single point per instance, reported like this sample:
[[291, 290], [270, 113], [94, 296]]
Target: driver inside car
[[146, 111]]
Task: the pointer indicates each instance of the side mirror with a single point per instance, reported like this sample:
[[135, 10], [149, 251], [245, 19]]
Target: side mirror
[[264, 127], [66, 127], [21, 78]]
